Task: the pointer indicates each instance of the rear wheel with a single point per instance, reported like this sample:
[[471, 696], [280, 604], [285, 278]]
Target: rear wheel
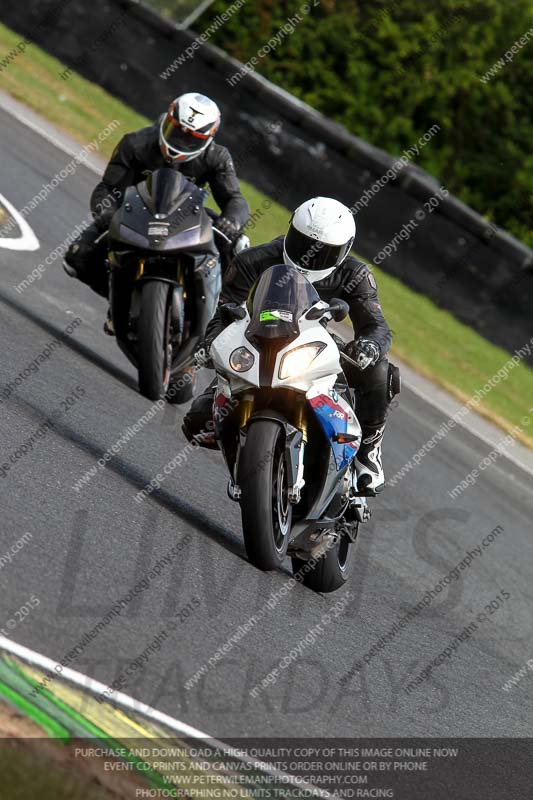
[[154, 341], [330, 571], [265, 508]]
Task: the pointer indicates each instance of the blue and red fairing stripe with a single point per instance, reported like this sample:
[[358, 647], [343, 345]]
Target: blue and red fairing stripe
[[332, 424]]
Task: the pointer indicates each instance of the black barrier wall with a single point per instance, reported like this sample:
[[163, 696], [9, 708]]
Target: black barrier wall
[[405, 224]]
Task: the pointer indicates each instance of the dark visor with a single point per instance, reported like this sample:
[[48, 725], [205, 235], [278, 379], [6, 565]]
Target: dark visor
[[177, 138], [311, 254]]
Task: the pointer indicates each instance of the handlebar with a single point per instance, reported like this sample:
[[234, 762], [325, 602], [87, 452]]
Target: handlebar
[[213, 216], [222, 234], [348, 359]]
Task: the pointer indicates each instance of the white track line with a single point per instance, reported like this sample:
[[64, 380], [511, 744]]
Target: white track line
[[28, 241], [97, 688]]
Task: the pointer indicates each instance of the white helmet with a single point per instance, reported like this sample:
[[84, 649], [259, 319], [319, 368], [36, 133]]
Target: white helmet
[[320, 235], [188, 127]]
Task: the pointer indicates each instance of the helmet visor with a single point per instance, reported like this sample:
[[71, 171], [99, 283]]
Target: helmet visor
[[179, 140], [312, 254]]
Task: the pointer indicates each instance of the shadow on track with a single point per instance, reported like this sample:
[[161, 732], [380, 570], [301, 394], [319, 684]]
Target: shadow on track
[[138, 480], [82, 349]]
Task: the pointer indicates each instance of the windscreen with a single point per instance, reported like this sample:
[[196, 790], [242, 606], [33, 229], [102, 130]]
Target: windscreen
[[165, 186], [277, 301]]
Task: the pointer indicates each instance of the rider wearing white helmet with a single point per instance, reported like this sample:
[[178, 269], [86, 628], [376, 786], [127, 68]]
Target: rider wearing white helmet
[[320, 236], [188, 127], [318, 243]]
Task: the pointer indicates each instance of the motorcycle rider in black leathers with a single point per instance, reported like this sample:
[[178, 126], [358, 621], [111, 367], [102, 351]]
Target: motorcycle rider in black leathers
[[182, 139], [318, 243]]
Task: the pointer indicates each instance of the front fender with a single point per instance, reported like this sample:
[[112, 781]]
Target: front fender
[[293, 441]]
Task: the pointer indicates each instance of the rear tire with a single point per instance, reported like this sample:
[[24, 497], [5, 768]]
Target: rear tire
[[155, 349], [265, 509], [330, 571]]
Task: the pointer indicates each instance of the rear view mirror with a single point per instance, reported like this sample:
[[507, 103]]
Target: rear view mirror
[[316, 312], [232, 311], [339, 309]]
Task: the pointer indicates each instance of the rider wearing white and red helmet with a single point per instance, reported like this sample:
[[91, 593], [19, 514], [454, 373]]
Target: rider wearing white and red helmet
[[188, 127], [182, 138]]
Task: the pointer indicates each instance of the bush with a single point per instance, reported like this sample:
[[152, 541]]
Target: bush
[[390, 69]]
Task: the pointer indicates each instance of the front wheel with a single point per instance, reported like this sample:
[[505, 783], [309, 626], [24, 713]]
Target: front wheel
[[330, 571], [155, 347], [265, 508]]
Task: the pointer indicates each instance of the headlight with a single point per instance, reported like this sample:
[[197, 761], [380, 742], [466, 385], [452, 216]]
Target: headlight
[[241, 360], [297, 361]]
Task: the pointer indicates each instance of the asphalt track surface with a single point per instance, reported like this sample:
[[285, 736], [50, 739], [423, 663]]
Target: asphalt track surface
[[89, 548]]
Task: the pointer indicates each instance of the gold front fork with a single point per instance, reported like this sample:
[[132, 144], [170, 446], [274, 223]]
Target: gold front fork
[[301, 418], [247, 406], [140, 269]]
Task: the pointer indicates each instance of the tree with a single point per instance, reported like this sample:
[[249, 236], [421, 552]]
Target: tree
[[389, 69]]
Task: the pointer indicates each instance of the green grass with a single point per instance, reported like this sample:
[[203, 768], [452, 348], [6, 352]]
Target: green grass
[[83, 110], [427, 338], [27, 772], [437, 345]]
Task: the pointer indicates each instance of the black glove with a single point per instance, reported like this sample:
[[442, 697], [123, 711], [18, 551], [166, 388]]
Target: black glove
[[102, 220], [364, 352], [202, 357], [228, 228]]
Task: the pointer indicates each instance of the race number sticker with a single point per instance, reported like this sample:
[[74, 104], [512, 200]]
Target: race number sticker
[[15, 233], [276, 314]]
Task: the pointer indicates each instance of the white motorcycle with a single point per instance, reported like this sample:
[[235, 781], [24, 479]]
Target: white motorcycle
[[284, 419]]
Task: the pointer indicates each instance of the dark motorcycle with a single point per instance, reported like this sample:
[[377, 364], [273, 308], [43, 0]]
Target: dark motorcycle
[[165, 278]]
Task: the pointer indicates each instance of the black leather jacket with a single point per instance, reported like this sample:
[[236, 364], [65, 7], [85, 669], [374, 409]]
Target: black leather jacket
[[352, 281], [137, 154]]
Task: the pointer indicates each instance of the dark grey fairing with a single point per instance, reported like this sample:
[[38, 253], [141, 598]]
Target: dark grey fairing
[[163, 214], [162, 232], [163, 190]]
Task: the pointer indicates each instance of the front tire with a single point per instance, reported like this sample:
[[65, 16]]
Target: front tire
[[265, 508], [330, 571], [155, 348]]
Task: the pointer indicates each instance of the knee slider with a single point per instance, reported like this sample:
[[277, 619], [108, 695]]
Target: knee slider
[[394, 381]]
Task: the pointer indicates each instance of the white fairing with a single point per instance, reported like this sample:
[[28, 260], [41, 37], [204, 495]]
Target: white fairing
[[223, 346], [317, 379]]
